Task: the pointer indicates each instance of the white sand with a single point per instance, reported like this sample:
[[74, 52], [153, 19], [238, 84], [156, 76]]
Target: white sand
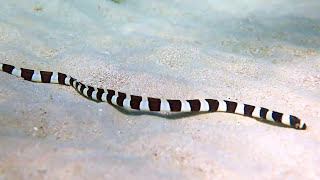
[[259, 52]]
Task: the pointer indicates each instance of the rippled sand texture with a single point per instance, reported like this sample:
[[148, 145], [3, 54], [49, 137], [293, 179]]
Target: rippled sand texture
[[259, 52]]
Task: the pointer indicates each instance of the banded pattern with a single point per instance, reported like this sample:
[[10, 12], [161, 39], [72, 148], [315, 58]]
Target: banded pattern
[[154, 104]]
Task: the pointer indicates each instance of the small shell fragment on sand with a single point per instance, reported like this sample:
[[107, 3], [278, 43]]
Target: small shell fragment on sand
[[117, 1]]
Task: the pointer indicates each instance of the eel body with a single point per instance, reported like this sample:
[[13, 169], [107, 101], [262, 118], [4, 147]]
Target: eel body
[[154, 104]]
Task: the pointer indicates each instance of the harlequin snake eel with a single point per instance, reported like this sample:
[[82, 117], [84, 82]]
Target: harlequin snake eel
[[134, 102]]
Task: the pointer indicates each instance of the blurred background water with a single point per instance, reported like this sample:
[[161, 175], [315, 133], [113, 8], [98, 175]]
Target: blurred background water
[[249, 28]]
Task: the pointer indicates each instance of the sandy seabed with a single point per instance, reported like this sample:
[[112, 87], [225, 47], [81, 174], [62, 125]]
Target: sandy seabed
[[265, 53]]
